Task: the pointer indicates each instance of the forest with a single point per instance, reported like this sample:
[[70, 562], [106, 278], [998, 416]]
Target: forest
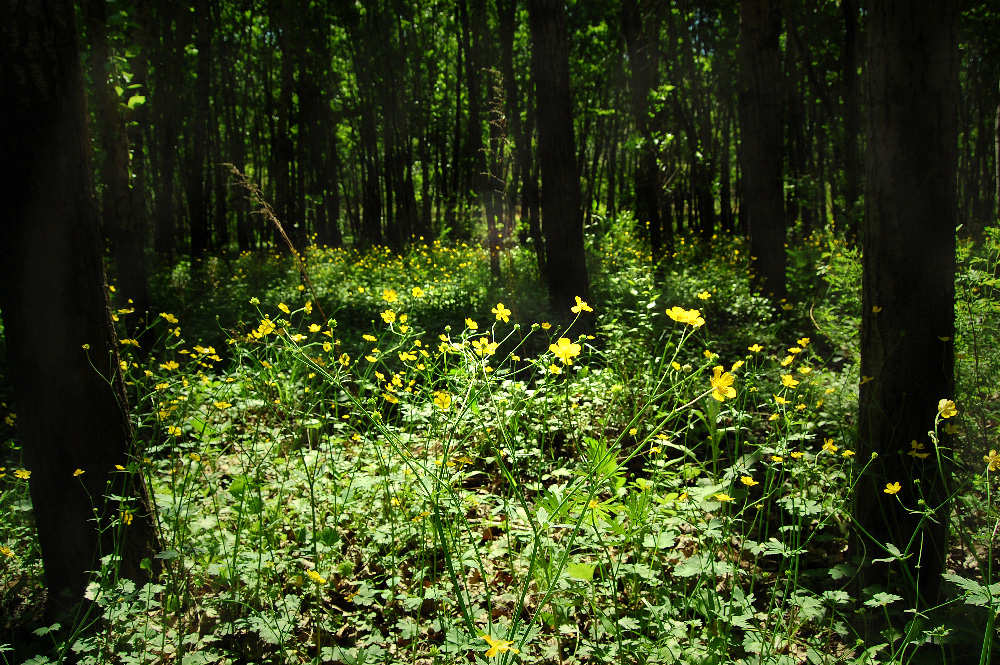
[[499, 331]]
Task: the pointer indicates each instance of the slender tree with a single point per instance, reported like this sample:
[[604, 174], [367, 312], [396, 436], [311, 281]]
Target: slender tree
[[908, 240], [562, 219], [760, 120], [70, 401]]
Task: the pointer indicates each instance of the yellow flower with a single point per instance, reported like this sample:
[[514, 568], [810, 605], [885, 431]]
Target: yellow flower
[[704, 295], [173, 430], [389, 316], [501, 312], [794, 349], [748, 481], [756, 348], [545, 325], [126, 517], [308, 307], [892, 488], [777, 459], [847, 453], [580, 306], [992, 460], [803, 341], [471, 325], [691, 317], [829, 446], [170, 318], [78, 472], [676, 365], [222, 406], [6, 551], [555, 369], [23, 474], [796, 455], [788, 381], [390, 295], [284, 308], [709, 354], [417, 292], [722, 384], [195, 457], [947, 408], [498, 646], [787, 360], [442, 400], [876, 309], [565, 350], [169, 365], [316, 577], [314, 327], [723, 497]]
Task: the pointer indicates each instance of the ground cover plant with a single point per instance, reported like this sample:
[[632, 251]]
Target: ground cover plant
[[428, 472]]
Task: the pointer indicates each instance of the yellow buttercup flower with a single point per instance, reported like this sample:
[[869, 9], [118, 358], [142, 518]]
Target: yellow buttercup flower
[[992, 461], [442, 400], [748, 481], [498, 646], [704, 295], [580, 306], [284, 308], [501, 312], [755, 348], [78, 472], [417, 292], [892, 488], [316, 577], [788, 381], [23, 474], [389, 316], [722, 384], [691, 317], [723, 497], [471, 325], [565, 350], [390, 295], [947, 408]]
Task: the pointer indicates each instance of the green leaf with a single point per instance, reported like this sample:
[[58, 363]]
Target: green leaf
[[136, 100], [580, 571]]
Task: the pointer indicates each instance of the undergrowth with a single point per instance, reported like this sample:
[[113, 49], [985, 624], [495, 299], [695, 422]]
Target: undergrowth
[[433, 473]]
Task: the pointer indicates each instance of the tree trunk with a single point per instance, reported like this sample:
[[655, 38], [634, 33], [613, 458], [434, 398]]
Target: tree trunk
[[908, 242], [641, 26], [562, 222], [852, 114], [121, 215], [760, 111], [53, 302]]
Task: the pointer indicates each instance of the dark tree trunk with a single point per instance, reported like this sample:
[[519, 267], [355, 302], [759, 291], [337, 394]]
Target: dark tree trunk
[[121, 214], [852, 114], [197, 185], [53, 301], [908, 242], [641, 26], [562, 222], [760, 114], [174, 26]]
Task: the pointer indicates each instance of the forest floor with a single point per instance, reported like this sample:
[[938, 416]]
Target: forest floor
[[411, 464]]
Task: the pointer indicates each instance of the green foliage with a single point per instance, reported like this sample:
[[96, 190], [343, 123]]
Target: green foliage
[[410, 473]]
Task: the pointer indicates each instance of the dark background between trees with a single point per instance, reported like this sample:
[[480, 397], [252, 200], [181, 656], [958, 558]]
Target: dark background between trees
[[380, 122]]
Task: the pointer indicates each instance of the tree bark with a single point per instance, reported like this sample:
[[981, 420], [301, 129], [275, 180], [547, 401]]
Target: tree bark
[[122, 217], [562, 221], [53, 301], [908, 241], [760, 112]]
